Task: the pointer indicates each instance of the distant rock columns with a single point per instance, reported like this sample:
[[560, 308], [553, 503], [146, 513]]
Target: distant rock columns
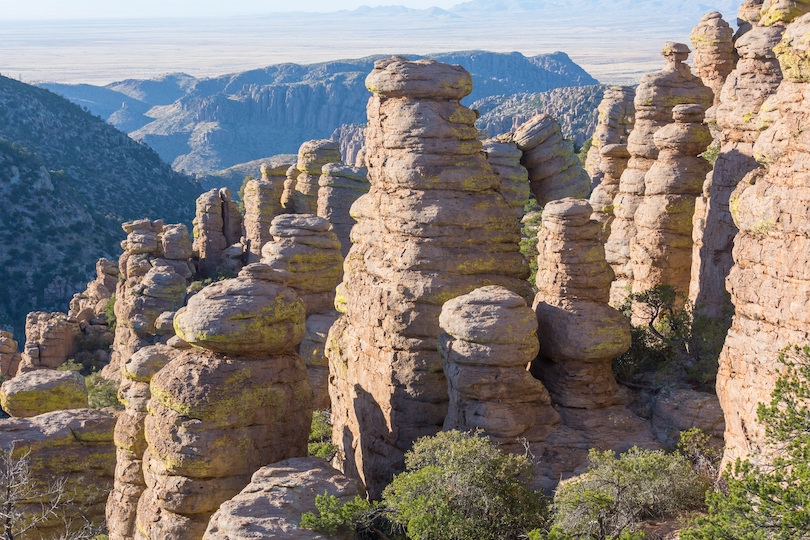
[[433, 226]]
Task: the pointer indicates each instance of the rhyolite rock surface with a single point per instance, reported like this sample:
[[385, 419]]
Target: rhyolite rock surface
[[50, 339], [271, 506], [312, 156], [217, 227], [769, 281], [656, 96], [714, 51], [433, 226], [9, 355], [307, 251], [504, 158], [262, 199], [313, 351], [341, 185], [42, 391]]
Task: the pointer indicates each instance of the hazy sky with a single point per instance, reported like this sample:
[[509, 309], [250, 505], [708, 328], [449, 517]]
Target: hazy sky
[[101, 9]]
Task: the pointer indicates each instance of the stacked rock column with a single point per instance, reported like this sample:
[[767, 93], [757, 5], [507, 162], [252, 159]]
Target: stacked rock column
[[312, 156], [9, 356], [236, 401], [504, 158], [616, 119], [434, 226], [217, 227], [755, 77], [769, 282], [262, 200], [340, 186], [661, 251], [655, 98]]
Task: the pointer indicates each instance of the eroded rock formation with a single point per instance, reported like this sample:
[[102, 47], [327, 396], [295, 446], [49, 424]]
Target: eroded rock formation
[[312, 156], [306, 248], [555, 171], [9, 355], [43, 391], [755, 77], [655, 98], [271, 506], [504, 158], [434, 226], [340, 186], [217, 232], [488, 338], [714, 52], [661, 251], [769, 281], [616, 120], [262, 198], [288, 195], [74, 445], [249, 404], [50, 339], [313, 351], [98, 292]]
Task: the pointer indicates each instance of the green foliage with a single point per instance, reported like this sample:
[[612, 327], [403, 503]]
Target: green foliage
[[705, 458], [528, 240], [712, 152], [221, 274], [334, 517], [320, 436], [677, 342], [582, 153], [240, 203], [459, 486], [770, 502], [109, 313], [616, 495]]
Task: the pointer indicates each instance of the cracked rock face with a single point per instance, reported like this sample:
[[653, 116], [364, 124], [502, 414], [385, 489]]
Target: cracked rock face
[[769, 281], [433, 226], [488, 338], [9, 356], [217, 227], [656, 96]]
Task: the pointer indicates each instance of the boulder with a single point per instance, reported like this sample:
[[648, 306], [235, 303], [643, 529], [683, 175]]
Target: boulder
[[43, 391]]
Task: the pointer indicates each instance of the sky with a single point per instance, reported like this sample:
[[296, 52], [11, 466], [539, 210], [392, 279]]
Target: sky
[[116, 9]]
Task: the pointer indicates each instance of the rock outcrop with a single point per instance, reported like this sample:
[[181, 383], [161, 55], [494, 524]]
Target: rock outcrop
[[504, 158], [130, 439], [616, 120], [98, 292], [661, 251], [714, 52], [434, 226], [236, 401], [308, 251], [217, 230], [681, 409], [75, 446], [656, 96], [769, 281], [312, 156], [755, 77], [43, 391], [340, 186], [580, 334], [271, 506], [9, 355], [154, 271], [50, 339], [555, 171], [313, 351], [488, 338], [262, 199]]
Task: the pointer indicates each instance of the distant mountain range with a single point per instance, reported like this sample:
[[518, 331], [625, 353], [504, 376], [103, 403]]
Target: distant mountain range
[[67, 181], [205, 125]]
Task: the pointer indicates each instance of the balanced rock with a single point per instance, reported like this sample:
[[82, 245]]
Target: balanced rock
[[555, 171], [433, 226], [50, 339], [43, 391], [661, 252], [714, 51], [340, 186], [252, 314], [271, 506], [312, 156], [262, 199], [9, 355], [580, 334], [308, 252], [755, 77], [504, 158], [288, 195], [656, 96], [615, 122], [312, 350], [217, 227], [769, 281], [74, 446], [130, 439], [488, 339]]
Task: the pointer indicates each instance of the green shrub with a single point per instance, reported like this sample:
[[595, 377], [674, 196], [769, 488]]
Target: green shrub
[[769, 501], [582, 153], [109, 312], [101, 392], [615, 496], [334, 517], [528, 241], [459, 486], [320, 436]]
